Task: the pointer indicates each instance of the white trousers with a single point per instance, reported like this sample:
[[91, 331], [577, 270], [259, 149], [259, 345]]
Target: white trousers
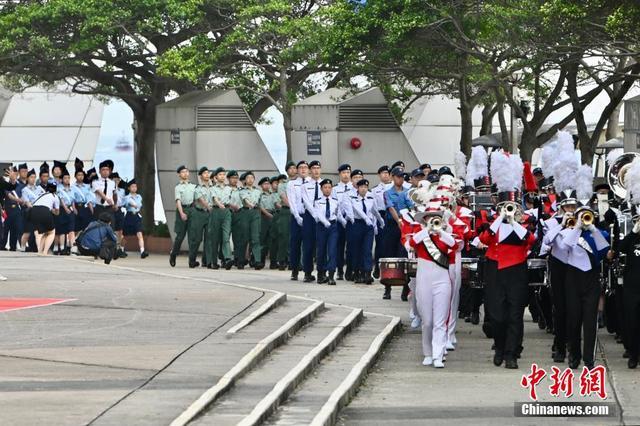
[[412, 297], [455, 274], [433, 298]]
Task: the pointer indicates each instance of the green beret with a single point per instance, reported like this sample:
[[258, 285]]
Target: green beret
[[263, 180], [290, 164], [219, 170], [232, 173], [202, 170], [274, 179]]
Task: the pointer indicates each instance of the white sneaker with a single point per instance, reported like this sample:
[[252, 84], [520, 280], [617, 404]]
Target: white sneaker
[[417, 322], [450, 347], [437, 363], [3, 278], [427, 360], [412, 315]]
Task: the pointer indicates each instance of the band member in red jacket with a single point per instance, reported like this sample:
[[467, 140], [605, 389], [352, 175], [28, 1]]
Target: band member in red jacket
[[506, 289], [409, 228], [433, 286]]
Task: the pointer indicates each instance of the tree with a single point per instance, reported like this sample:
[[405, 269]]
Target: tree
[[107, 48], [275, 54]]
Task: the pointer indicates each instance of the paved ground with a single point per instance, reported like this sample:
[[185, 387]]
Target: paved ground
[[142, 340]]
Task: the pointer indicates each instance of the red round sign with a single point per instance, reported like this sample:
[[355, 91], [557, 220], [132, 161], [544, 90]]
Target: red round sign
[[355, 143]]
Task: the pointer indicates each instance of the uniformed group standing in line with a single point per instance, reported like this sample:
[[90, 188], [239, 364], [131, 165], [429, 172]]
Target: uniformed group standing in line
[[299, 221], [49, 208]]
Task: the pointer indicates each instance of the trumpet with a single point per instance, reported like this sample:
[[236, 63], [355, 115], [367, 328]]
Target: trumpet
[[434, 224], [587, 218], [571, 220]]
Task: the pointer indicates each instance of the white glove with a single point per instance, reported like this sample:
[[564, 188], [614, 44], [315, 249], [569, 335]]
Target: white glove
[[326, 224], [636, 228], [299, 220], [591, 228], [368, 222]]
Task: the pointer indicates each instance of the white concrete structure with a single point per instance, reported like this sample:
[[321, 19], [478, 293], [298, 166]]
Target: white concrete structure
[[325, 124], [206, 129], [42, 125]]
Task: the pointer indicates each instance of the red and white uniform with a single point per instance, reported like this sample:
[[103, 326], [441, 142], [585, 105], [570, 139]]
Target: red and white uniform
[[499, 247], [433, 291], [461, 232], [407, 230]]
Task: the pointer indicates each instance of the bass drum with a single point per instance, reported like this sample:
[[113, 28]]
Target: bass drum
[[393, 271], [412, 267]]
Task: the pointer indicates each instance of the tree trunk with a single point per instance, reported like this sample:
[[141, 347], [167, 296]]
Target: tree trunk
[[528, 144], [613, 123], [144, 157], [587, 148], [288, 128], [506, 143], [466, 128], [488, 112]]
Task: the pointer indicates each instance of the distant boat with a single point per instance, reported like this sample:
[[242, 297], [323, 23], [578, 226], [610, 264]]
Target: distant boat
[[123, 144]]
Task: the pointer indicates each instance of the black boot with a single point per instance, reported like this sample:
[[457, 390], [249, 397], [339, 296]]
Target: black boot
[[294, 275], [387, 293], [358, 277], [348, 275], [405, 292], [632, 363], [367, 278], [322, 277], [308, 278], [331, 280], [498, 358], [273, 265], [172, 259], [475, 318], [559, 355], [258, 266], [228, 264], [213, 266], [340, 275], [376, 272], [511, 363], [282, 266]]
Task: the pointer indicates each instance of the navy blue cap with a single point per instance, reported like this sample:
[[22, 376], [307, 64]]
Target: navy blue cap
[[433, 176], [362, 182], [314, 163], [326, 181], [383, 169], [397, 171], [105, 163], [397, 164], [31, 172], [344, 167], [356, 172], [181, 168], [444, 170], [114, 175], [23, 166], [537, 171], [417, 172], [302, 162], [425, 166]]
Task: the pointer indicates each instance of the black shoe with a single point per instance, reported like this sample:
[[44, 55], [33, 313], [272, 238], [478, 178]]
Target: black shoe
[[542, 323], [308, 278], [376, 272], [348, 275], [228, 264], [331, 280], [340, 276], [204, 263], [511, 363], [144, 254], [558, 356], [404, 296], [574, 363], [240, 265], [213, 266], [387, 293], [626, 354], [282, 267], [632, 363], [589, 365], [475, 318], [467, 319], [252, 264], [367, 278], [619, 339], [358, 277], [498, 358], [322, 278], [172, 260], [122, 254], [259, 266], [487, 330], [294, 275], [193, 264], [273, 265]]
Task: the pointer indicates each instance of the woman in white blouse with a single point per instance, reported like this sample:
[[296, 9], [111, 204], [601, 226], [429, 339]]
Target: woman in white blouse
[[41, 215]]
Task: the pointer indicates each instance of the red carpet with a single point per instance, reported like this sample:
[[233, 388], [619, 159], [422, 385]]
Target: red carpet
[[15, 304]]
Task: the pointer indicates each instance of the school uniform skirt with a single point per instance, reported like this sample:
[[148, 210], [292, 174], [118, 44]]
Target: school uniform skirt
[[42, 219], [65, 222], [26, 222], [132, 224], [118, 220]]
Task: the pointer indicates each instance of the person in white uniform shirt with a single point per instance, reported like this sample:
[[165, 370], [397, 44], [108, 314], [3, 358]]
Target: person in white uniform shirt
[[41, 215], [104, 190], [310, 192], [367, 222], [378, 194], [341, 191], [326, 213], [294, 198]]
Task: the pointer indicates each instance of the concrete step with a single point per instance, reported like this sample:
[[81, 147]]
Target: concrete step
[[311, 397], [258, 393]]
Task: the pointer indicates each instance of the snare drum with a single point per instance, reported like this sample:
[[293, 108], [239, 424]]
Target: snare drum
[[393, 271], [412, 267], [537, 271]]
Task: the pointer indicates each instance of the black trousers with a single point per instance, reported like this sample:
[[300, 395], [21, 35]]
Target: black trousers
[[557, 276], [582, 292], [632, 321], [506, 295]]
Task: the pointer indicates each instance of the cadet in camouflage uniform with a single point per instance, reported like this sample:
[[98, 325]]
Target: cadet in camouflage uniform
[[200, 219], [275, 223], [220, 220], [250, 196], [285, 216], [267, 209], [184, 196], [235, 204]]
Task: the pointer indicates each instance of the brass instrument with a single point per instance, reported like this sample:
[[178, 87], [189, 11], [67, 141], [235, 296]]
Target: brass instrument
[[434, 224], [513, 211], [571, 220], [616, 177], [586, 217]]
